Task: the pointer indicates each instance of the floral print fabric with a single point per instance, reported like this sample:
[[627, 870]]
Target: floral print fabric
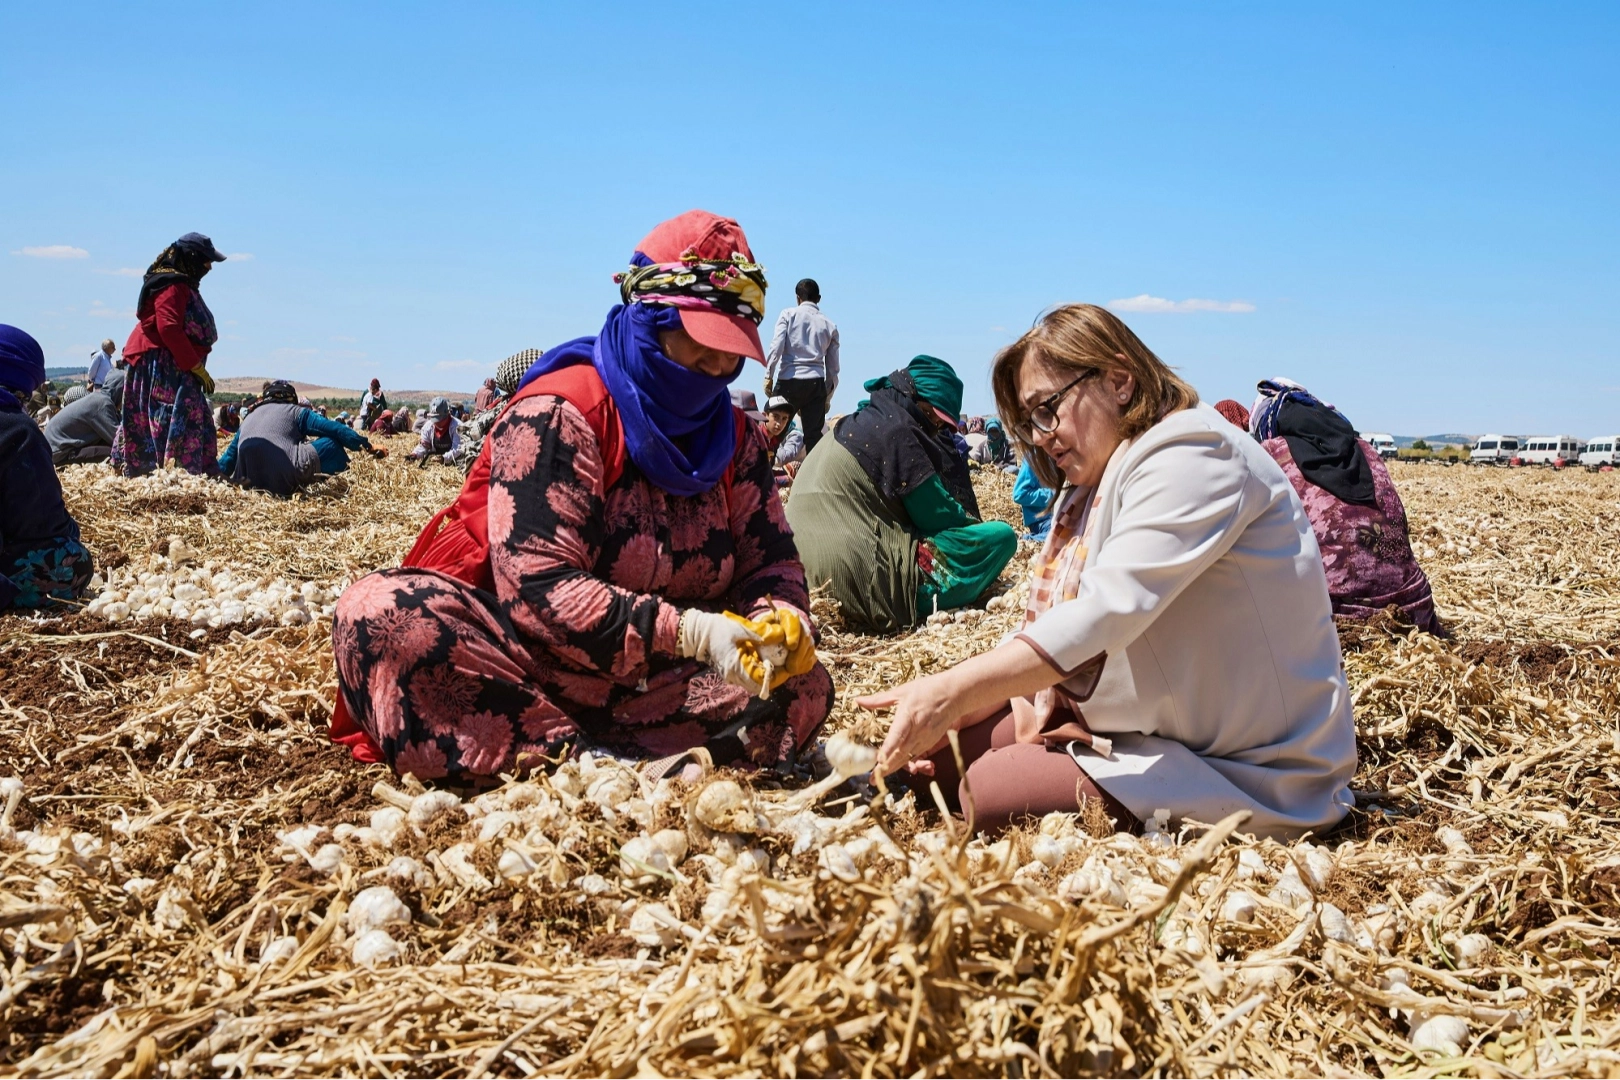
[[1365, 549], [165, 412], [40, 574], [576, 645]]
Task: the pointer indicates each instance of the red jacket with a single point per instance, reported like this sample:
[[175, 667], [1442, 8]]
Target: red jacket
[[165, 328]]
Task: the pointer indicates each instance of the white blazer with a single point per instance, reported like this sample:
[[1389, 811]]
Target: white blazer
[[1222, 686]]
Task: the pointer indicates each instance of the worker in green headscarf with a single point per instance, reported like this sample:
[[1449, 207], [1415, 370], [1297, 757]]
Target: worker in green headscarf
[[885, 512]]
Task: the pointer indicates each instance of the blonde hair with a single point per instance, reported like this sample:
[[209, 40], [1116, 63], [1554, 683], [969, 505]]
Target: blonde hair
[[1079, 337]]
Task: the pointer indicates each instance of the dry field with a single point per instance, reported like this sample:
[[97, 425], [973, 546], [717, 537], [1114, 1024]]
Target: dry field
[[193, 882]]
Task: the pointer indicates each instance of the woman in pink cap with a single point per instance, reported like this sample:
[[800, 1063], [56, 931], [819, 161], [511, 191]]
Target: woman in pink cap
[[604, 577]]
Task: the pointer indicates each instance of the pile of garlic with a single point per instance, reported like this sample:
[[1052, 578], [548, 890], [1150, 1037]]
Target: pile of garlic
[[207, 596]]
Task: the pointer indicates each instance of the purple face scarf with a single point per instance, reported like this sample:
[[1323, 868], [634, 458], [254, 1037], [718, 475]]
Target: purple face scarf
[[22, 364], [678, 427]]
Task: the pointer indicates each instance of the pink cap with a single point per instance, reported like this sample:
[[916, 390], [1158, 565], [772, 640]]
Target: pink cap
[[709, 236]]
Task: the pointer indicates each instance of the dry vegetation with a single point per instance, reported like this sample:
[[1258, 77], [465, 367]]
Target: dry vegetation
[[184, 870]]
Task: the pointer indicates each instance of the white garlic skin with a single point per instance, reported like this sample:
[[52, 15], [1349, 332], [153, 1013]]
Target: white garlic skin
[[374, 948], [725, 807], [849, 758], [377, 908], [1442, 1033], [1239, 906], [277, 949]]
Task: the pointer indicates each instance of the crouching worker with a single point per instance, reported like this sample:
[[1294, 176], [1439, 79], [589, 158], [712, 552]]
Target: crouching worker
[[282, 445], [41, 559], [617, 569], [83, 431], [441, 435], [1178, 649], [782, 439], [885, 510]]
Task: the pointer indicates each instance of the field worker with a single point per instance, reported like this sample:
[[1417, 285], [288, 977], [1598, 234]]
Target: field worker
[[1034, 500], [996, 451], [402, 422], [504, 385], [284, 444], [441, 434], [372, 403], [1178, 650], [1355, 511], [383, 425], [83, 431], [884, 510], [803, 361], [41, 559], [486, 397], [166, 415], [784, 441], [637, 569], [101, 365]]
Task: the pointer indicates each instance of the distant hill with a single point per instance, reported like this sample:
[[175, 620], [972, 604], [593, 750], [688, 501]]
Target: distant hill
[[66, 372], [253, 384]]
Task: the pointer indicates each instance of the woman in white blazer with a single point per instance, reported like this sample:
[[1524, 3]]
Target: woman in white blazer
[[1179, 651]]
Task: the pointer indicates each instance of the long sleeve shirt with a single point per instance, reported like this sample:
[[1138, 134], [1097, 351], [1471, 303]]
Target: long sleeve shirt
[[100, 367], [805, 346], [312, 425], [166, 328]]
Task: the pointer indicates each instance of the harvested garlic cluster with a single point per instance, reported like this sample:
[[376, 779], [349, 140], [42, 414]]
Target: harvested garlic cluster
[[205, 596]]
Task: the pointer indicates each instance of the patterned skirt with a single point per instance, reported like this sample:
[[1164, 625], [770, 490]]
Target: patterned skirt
[[448, 688], [165, 418], [35, 575]]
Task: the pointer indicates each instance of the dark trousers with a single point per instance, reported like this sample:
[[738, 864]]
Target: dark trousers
[[809, 399]]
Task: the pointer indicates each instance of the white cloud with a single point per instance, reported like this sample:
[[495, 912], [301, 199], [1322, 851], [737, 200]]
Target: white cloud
[[1159, 303], [54, 251], [460, 365], [238, 256], [98, 310]]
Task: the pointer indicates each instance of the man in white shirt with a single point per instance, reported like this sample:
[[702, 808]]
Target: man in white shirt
[[101, 365], [802, 365]]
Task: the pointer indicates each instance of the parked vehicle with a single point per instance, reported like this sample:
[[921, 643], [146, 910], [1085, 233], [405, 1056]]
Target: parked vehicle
[[1494, 450], [1601, 450], [1554, 450], [1384, 444]]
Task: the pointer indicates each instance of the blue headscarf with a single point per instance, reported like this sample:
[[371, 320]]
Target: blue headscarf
[[659, 401], [22, 364]]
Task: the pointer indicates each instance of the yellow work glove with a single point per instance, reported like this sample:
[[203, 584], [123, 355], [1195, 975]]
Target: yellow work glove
[[784, 640], [206, 379]]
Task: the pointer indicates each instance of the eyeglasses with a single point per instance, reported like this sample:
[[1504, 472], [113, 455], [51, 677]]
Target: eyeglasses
[[1043, 417]]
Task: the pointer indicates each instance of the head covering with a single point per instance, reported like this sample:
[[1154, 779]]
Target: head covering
[[678, 427], [510, 373], [376, 384], [183, 262], [747, 402], [279, 391], [896, 445], [779, 404], [936, 383], [1235, 413], [700, 263], [974, 425], [439, 408], [1320, 440], [22, 363]]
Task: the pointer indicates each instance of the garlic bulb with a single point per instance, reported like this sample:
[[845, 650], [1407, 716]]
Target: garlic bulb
[[1239, 906], [654, 926], [430, 806], [407, 871], [673, 843], [277, 950], [514, 864], [849, 758], [725, 807], [377, 908], [1440, 1032], [642, 862], [374, 948], [838, 862]]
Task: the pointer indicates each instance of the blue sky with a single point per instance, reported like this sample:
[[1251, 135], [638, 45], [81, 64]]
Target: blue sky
[[1410, 208]]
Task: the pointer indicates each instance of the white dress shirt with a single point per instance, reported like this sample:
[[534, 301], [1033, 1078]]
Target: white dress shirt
[[805, 346], [1223, 687], [100, 367]]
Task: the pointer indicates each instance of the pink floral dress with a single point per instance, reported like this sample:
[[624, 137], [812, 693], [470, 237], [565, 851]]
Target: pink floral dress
[[577, 643]]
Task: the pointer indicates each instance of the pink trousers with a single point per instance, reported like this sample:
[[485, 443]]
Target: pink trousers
[[1012, 781]]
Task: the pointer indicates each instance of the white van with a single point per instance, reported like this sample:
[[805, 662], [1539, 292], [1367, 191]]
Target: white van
[[1384, 444], [1494, 450], [1601, 450], [1558, 450]]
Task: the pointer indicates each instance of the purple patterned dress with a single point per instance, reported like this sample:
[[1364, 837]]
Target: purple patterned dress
[[166, 416], [1365, 549], [577, 644]]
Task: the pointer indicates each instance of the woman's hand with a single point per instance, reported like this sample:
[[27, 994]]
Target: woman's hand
[[925, 710]]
